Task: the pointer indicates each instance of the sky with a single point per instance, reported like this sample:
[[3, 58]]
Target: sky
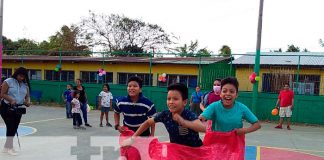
[[212, 22]]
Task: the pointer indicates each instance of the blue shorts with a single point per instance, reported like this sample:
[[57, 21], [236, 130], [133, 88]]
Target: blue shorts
[[105, 109]]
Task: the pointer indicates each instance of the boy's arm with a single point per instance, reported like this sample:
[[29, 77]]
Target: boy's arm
[[117, 119], [277, 103], [255, 126], [195, 125], [63, 97], [152, 129]]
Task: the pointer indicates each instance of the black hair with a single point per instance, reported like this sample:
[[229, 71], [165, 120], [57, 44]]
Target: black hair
[[79, 80], [230, 80], [70, 84], [75, 92], [286, 84], [22, 71], [107, 85], [183, 89], [136, 79], [218, 79]]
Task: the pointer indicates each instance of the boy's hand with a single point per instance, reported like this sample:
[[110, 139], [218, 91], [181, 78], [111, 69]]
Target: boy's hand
[[240, 131], [202, 118], [127, 142], [176, 117], [120, 129]]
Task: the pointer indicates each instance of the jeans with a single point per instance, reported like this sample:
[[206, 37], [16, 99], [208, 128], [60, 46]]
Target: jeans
[[68, 109], [84, 111]]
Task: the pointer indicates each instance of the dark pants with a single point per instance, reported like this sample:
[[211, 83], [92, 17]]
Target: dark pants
[[68, 109], [83, 107], [12, 121], [77, 121], [146, 133]]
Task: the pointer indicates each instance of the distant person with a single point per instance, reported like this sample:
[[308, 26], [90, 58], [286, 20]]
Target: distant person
[[105, 104], [67, 98], [135, 107], [195, 100], [212, 96], [83, 100], [286, 101], [14, 91], [76, 111]]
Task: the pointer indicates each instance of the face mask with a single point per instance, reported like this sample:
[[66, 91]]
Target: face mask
[[216, 88]]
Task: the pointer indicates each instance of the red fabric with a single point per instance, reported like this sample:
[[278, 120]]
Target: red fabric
[[212, 97], [286, 97], [217, 146]]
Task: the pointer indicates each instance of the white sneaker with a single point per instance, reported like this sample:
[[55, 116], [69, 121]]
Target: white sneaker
[[5, 150], [12, 152]]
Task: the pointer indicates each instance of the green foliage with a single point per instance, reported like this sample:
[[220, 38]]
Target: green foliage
[[192, 50], [225, 51], [292, 48]]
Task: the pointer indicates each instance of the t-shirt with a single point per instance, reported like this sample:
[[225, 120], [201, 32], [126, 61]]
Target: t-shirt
[[67, 95], [76, 106], [212, 97], [82, 97], [196, 97], [16, 90], [177, 133], [106, 97], [286, 97], [226, 120], [135, 113]]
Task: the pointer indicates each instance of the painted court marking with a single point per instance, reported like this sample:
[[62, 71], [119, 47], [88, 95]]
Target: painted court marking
[[22, 131]]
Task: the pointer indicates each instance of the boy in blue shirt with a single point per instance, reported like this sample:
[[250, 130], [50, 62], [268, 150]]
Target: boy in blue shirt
[[182, 124], [67, 98], [227, 114]]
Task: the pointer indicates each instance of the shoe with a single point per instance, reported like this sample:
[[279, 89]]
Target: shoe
[[5, 150], [101, 125], [83, 128], [108, 125], [278, 127], [75, 127], [88, 125], [288, 127], [12, 152]]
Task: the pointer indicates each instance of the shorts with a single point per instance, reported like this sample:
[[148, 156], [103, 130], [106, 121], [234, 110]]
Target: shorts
[[285, 112], [105, 109]]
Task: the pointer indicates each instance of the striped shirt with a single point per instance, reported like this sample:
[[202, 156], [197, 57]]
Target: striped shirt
[[135, 113]]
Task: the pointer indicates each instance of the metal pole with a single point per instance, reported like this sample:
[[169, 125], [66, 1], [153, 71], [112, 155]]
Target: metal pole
[[257, 60], [1, 46], [297, 78], [60, 70], [199, 72], [150, 69], [231, 69]]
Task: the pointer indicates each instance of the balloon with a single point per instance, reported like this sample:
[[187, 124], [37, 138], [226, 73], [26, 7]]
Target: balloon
[[252, 79], [160, 78], [163, 75], [274, 112], [103, 72], [56, 69], [100, 74], [163, 79], [257, 78], [254, 74], [100, 70]]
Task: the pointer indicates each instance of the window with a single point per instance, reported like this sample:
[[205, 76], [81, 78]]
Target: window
[[34, 74], [6, 72], [93, 77], [123, 77], [189, 80], [51, 75], [307, 84]]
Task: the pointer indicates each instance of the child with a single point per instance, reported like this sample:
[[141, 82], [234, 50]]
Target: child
[[67, 98], [182, 124], [227, 114], [105, 103], [135, 107], [76, 110]]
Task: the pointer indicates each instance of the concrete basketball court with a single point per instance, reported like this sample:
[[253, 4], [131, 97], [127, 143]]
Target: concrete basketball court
[[45, 133]]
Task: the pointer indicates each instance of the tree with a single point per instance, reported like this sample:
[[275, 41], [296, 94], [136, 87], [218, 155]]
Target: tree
[[122, 34], [66, 40], [321, 42], [305, 50], [9, 46], [192, 50], [225, 51], [279, 50], [292, 48]]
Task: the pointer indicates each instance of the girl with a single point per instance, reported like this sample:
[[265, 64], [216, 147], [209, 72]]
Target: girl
[[76, 110], [105, 103]]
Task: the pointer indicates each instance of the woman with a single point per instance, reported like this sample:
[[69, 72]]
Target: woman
[[14, 91], [83, 100]]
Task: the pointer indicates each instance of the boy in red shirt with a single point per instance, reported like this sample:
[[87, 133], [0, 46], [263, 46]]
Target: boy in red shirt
[[286, 99]]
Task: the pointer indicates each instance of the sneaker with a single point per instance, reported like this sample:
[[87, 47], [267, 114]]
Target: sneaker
[[100, 125], [83, 128], [278, 127], [12, 152], [88, 125], [108, 125], [75, 127], [5, 150], [288, 127]]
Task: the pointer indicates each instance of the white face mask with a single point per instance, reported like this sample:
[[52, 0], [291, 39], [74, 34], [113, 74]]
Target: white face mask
[[217, 88]]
